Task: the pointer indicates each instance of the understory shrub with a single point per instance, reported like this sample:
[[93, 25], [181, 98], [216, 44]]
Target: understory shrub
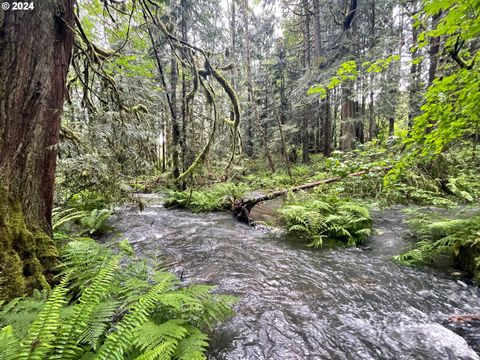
[[217, 197], [92, 222], [319, 217], [456, 237], [107, 306]]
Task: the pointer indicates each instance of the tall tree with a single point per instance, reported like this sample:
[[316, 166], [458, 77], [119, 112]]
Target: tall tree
[[35, 52], [306, 58]]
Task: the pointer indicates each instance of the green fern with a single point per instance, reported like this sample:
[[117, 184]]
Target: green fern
[[61, 217], [9, 344], [218, 197], [120, 340], [95, 222], [42, 332], [102, 317], [150, 335], [193, 346], [73, 329], [458, 238], [118, 309], [163, 351], [320, 218]]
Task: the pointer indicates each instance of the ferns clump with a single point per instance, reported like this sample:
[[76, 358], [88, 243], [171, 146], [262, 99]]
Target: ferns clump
[[439, 235], [107, 307], [218, 197], [319, 217], [93, 222]]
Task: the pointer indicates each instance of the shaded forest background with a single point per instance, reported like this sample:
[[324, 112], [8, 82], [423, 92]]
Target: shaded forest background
[[147, 108]]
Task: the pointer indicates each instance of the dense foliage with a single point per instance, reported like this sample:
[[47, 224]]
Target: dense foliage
[[110, 305], [220, 101], [319, 217], [457, 237], [217, 197]]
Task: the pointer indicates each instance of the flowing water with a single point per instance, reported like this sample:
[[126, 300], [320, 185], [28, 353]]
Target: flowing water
[[297, 303]]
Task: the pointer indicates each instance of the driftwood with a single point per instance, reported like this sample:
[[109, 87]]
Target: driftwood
[[242, 208], [464, 318]]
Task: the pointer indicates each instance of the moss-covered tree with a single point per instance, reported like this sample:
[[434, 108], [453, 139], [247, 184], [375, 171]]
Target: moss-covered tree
[[35, 52]]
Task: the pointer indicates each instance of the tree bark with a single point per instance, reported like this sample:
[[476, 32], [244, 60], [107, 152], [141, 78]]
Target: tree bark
[[174, 111], [327, 127], [305, 135], [348, 115], [249, 141], [284, 148], [347, 21], [306, 61], [317, 32], [35, 52], [372, 126], [183, 137], [306, 34], [391, 126]]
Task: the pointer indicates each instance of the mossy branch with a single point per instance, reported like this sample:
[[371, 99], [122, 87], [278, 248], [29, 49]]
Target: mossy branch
[[203, 155], [209, 70]]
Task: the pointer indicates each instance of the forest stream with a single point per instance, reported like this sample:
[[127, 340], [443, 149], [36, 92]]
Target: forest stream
[[297, 303]]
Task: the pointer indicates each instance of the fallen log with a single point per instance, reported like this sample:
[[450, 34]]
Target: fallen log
[[464, 318], [242, 208]]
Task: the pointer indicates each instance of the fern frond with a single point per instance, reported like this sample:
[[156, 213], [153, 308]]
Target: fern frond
[[356, 209], [42, 332], [82, 260], [120, 340], [101, 320], [62, 217], [73, 328], [9, 344], [150, 335], [192, 347], [163, 351]]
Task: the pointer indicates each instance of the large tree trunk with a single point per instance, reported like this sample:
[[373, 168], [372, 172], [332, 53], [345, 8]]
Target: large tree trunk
[[305, 135], [372, 126], [252, 111], [317, 33], [186, 155], [35, 52], [306, 111]]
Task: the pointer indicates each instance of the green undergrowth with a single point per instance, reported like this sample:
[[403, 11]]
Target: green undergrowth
[[446, 180], [317, 218], [213, 198], [89, 200], [92, 222], [457, 237], [85, 214], [110, 305]]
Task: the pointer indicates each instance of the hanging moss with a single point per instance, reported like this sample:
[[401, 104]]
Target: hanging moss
[[232, 96], [226, 86], [26, 254]]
